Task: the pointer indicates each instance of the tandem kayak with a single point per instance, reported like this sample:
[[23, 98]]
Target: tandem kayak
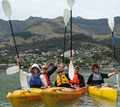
[[20, 97], [105, 92], [58, 94]]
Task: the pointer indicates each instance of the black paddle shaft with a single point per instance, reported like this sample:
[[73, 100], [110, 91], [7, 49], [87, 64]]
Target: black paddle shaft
[[64, 42], [70, 33], [14, 40]]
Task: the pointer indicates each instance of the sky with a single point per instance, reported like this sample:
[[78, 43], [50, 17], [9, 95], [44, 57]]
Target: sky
[[88, 9]]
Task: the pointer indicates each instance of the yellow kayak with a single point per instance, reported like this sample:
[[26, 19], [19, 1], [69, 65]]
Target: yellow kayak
[[58, 94], [105, 92], [20, 97]]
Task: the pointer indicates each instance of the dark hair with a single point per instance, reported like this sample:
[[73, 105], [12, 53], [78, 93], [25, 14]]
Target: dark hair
[[33, 68], [95, 65]]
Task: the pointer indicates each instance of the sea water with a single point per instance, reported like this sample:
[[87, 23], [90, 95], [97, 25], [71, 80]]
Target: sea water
[[9, 83]]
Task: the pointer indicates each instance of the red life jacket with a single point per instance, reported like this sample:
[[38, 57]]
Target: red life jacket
[[46, 77], [75, 80]]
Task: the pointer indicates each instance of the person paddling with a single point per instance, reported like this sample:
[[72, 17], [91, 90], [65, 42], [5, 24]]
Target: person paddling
[[35, 78], [47, 73], [78, 79], [97, 78]]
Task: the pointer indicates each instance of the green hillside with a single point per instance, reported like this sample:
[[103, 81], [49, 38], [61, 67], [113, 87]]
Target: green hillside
[[92, 37]]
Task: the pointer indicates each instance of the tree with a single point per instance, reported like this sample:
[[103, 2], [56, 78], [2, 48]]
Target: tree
[[66, 60]]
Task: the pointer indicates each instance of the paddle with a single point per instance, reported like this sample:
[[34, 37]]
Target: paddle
[[8, 12], [111, 25], [66, 19], [71, 3], [71, 67], [12, 70], [67, 53]]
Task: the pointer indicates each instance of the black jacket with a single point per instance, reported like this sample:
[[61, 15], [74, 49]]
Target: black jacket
[[97, 82], [64, 85], [49, 73]]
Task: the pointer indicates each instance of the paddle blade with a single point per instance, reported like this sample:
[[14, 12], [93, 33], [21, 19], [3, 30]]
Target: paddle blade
[[71, 70], [6, 8], [12, 70], [71, 3], [66, 16], [111, 22], [67, 53], [23, 79]]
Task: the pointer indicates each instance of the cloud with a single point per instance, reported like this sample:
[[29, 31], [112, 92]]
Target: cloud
[[22, 9]]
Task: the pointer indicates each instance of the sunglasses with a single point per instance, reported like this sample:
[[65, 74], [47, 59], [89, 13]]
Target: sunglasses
[[59, 72]]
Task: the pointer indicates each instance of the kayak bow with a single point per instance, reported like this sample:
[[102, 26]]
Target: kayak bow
[[20, 97], [105, 92]]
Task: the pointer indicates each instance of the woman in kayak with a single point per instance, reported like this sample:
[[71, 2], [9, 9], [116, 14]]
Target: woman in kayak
[[62, 79], [47, 73], [78, 79], [97, 78], [35, 78]]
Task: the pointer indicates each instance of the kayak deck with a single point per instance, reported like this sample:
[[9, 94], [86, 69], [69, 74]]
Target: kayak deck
[[105, 92], [20, 97], [58, 94]]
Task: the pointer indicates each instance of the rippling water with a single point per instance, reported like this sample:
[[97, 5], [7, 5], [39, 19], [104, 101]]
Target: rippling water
[[11, 82]]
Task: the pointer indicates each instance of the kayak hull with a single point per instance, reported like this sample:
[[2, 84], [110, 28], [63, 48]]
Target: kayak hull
[[20, 97], [105, 92], [58, 94]]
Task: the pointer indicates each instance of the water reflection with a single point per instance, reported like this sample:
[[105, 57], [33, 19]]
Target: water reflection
[[83, 101], [33, 104], [103, 102], [2, 104]]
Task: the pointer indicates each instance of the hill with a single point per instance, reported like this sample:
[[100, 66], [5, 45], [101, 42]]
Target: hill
[[91, 39], [37, 32]]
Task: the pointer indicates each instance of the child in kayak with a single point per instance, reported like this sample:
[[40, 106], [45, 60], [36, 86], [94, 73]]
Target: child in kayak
[[62, 79], [46, 73], [78, 79], [97, 78], [35, 78]]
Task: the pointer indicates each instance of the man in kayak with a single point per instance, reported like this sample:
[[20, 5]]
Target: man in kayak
[[46, 73], [62, 79], [35, 78], [97, 78], [78, 79]]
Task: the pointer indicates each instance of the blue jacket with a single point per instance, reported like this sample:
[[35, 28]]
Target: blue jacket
[[35, 81]]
